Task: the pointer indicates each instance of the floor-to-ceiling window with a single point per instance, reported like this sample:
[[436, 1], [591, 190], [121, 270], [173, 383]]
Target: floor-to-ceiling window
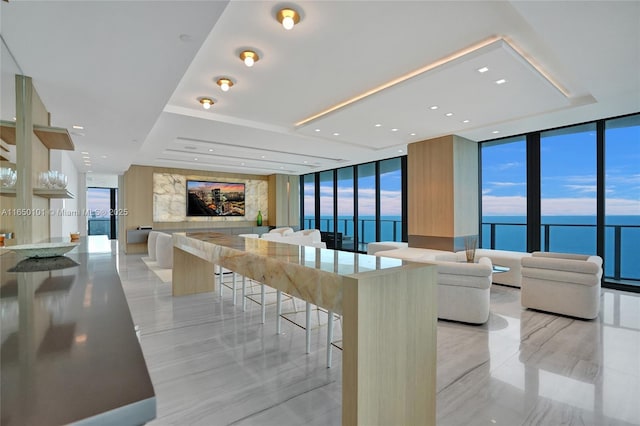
[[568, 189], [346, 218], [582, 193], [366, 204], [326, 201], [102, 206], [308, 201], [622, 198], [391, 200], [504, 195], [353, 206]]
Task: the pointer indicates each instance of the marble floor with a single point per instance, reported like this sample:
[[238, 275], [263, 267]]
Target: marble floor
[[213, 364]]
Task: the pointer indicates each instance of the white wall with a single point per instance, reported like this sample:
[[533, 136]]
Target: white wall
[[66, 214]]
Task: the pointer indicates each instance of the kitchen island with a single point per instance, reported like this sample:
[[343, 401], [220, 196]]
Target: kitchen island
[[388, 308]]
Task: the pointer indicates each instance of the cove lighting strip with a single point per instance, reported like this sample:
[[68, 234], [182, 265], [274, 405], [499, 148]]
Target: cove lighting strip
[[430, 67]]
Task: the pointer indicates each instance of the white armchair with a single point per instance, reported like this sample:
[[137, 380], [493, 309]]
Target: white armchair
[[562, 283], [464, 290]]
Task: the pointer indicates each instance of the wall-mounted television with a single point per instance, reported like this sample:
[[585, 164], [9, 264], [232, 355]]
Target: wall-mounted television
[[206, 198]]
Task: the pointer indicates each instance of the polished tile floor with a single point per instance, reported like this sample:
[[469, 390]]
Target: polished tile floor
[[213, 364]]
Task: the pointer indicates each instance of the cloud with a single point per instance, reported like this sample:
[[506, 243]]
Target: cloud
[[511, 165], [590, 179], [493, 205], [582, 188], [517, 206], [507, 183]]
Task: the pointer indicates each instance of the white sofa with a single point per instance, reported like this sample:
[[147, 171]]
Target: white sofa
[[567, 284], [373, 248], [510, 259], [463, 288], [308, 237]]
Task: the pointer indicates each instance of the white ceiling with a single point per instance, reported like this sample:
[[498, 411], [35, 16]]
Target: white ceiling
[[131, 73]]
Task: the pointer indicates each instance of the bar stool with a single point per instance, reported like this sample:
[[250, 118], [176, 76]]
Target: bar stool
[[244, 287]]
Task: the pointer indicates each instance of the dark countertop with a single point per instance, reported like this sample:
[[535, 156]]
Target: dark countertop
[[69, 351]]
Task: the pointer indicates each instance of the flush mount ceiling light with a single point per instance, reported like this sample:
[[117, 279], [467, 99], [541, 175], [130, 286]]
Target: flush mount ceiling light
[[288, 18], [224, 83], [206, 102], [249, 57]]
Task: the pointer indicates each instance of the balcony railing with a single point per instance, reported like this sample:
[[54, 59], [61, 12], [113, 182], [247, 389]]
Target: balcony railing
[[390, 229], [619, 242], [100, 226]]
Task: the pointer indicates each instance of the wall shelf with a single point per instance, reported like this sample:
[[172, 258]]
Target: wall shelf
[[51, 137], [8, 192], [52, 193]]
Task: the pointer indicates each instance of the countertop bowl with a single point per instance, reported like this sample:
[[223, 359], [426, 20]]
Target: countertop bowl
[[39, 250]]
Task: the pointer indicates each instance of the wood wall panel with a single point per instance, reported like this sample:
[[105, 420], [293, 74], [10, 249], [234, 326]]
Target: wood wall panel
[[138, 197], [431, 187]]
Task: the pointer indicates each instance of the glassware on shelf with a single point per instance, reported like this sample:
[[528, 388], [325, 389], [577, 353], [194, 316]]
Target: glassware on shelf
[[52, 179], [7, 177]]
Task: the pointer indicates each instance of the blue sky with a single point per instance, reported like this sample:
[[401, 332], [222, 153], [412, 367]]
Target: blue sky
[[568, 170]]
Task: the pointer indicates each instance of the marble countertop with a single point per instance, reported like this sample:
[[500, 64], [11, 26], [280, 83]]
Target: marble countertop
[[69, 348], [312, 274]]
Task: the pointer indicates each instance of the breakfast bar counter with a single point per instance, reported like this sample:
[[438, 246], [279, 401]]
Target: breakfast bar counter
[[388, 307], [69, 349]]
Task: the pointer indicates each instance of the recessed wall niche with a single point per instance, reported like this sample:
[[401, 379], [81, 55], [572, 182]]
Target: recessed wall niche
[[170, 199]]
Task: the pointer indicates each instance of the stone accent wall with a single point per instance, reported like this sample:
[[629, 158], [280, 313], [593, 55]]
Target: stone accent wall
[[170, 198]]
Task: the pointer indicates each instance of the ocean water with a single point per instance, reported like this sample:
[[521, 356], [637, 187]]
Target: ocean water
[[569, 234], [573, 234]]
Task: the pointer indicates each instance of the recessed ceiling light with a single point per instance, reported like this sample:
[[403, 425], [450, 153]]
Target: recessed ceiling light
[[378, 125], [433, 107], [394, 130], [249, 57], [288, 18], [78, 127], [317, 130], [195, 159], [103, 156], [449, 114], [336, 134], [483, 69], [206, 102], [305, 161], [466, 121], [225, 83], [501, 81], [85, 152], [496, 132], [263, 156], [14, 119], [400, 150], [412, 134], [210, 149]]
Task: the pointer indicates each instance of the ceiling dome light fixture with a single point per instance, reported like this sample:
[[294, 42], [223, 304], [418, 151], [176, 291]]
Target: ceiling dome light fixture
[[224, 83], [288, 18], [249, 57], [206, 102]]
